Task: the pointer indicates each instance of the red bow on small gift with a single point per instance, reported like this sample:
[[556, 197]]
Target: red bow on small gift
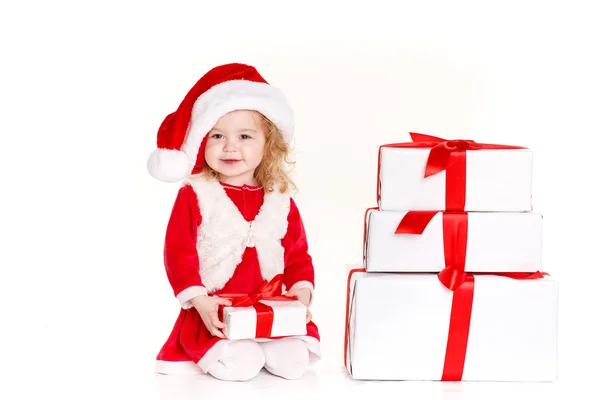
[[268, 290]]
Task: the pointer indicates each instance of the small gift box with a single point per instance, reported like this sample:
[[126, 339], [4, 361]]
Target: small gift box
[[266, 313], [265, 319]]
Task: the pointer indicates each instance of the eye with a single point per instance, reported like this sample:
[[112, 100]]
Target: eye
[[244, 136], [216, 136]]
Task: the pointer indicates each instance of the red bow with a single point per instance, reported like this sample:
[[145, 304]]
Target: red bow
[[441, 149], [455, 232], [449, 156], [268, 290]]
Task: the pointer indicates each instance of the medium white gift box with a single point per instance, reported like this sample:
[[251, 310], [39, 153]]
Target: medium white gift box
[[496, 242], [496, 180], [289, 319], [398, 328]]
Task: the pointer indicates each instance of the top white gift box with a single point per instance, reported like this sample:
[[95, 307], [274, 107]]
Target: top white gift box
[[431, 173]]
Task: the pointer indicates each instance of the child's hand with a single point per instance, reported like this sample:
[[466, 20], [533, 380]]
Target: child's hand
[[208, 308], [304, 295]]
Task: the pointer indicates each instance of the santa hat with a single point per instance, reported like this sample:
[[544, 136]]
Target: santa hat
[[221, 90]]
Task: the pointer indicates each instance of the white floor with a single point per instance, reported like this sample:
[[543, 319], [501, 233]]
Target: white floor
[[133, 381]]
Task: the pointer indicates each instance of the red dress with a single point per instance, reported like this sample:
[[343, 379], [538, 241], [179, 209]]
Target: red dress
[[190, 347]]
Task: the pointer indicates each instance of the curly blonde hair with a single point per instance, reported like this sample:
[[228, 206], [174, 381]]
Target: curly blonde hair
[[276, 157]]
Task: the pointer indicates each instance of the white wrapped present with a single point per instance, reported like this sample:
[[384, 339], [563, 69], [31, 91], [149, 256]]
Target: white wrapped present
[[405, 326]]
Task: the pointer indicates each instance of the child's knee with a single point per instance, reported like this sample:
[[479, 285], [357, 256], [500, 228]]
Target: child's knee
[[288, 358], [242, 360]]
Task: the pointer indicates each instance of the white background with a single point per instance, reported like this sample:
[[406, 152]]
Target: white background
[[85, 304]]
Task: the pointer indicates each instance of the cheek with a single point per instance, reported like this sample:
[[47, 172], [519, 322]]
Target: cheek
[[260, 146], [210, 153], [252, 150], [259, 150]]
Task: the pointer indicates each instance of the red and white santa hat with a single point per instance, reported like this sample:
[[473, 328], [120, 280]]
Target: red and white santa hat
[[221, 90]]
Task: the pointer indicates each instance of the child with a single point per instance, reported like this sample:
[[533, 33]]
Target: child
[[233, 224]]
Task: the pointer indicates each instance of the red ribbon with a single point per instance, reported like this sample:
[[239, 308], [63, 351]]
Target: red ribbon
[[347, 320], [268, 290], [455, 231], [460, 321], [445, 155], [458, 331], [455, 226], [454, 277]]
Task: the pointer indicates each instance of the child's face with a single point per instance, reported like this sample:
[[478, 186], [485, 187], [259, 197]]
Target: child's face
[[234, 147]]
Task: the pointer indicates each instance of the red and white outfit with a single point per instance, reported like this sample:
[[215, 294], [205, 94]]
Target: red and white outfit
[[211, 248], [223, 238]]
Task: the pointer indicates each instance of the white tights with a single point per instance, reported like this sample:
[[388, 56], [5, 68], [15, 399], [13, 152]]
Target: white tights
[[243, 359]]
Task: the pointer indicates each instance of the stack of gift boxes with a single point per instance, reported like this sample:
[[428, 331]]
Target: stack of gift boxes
[[451, 286]]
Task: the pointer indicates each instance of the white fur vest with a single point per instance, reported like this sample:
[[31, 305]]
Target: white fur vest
[[224, 234]]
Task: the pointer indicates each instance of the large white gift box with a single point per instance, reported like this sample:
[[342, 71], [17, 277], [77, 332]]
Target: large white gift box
[[496, 180], [495, 242], [288, 319], [398, 329]]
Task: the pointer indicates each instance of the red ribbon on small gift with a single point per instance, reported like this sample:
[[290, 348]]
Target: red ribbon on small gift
[[445, 155], [268, 290]]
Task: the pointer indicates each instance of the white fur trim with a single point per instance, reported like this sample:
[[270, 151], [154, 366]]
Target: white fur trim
[[188, 294], [169, 165], [270, 226], [176, 368], [224, 234], [302, 285], [213, 355], [236, 95], [314, 347]]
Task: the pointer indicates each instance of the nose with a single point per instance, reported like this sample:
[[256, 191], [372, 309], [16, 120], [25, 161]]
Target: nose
[[230, 144]]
